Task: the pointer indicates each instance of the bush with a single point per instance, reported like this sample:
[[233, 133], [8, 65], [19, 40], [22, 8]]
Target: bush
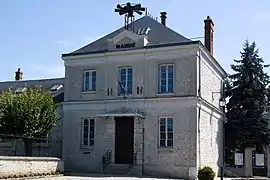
[[206, 173]]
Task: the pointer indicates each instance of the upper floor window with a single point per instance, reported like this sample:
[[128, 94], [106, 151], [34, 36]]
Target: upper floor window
[[125, 80], [166, 78], [166, 132], [88, 132], [89, 80]]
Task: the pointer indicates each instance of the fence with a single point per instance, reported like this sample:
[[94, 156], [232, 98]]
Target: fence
[[25, 146]]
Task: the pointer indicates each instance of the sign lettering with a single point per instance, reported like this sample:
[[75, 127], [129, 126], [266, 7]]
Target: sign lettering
[[123, 46]]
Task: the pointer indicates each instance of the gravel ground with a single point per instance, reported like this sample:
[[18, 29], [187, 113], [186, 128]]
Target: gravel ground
[[94, 178]]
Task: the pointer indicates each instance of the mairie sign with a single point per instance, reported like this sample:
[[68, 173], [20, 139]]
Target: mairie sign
[[123, 46]]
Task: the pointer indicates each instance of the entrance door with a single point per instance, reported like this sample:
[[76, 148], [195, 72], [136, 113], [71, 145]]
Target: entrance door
[[124, 140]]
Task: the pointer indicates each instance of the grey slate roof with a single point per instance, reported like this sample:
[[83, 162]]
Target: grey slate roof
[[158, 35], [46, 84]]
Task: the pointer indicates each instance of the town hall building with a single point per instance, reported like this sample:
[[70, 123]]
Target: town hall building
[[144, 100]]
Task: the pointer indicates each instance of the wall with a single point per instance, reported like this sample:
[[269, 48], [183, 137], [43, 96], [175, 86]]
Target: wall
[[28, 165], [211, 83], [179, 160], [210, 139], [145, 71], [210, 121], [174, 162]]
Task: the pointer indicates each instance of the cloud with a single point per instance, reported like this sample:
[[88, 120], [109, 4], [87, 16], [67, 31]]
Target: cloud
[[64, 43], [261, 16], [75, 42], [44, 71]]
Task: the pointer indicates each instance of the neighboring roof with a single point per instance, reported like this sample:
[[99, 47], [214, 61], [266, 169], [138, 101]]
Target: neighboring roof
[[158, 35], [46, 84]]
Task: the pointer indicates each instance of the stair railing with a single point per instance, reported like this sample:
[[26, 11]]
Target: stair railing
[[106, 159]]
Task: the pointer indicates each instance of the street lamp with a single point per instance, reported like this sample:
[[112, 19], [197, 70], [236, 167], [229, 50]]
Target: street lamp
[[222, 101]]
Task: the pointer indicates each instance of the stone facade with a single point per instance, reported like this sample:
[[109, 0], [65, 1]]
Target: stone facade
[[198, 118]]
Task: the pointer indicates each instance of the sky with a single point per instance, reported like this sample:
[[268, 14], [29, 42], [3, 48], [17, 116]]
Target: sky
[[34, 33]]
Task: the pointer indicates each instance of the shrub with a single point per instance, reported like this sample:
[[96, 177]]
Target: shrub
[[206, 173]]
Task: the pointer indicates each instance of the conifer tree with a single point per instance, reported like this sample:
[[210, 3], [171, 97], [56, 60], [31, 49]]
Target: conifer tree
[[246, 124]]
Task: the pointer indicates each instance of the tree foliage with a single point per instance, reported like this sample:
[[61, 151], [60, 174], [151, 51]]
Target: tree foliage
[[247, 88], [29, 114]]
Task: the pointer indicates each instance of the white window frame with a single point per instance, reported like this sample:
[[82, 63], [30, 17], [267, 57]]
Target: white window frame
[[166, 131], [167, 83], [88, 135], [90, 80], [125, 85]]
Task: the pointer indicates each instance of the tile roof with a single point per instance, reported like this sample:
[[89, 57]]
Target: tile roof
[[158, 35], [43, 83]]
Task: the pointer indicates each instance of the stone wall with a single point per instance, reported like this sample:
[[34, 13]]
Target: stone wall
[[30, 165], [210, 145]]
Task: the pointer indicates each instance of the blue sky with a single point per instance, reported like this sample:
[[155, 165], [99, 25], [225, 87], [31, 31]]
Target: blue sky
[[34, 33]]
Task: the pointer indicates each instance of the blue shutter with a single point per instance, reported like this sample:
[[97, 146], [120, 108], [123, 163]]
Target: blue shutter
[[129, 81], [94, 74], [170, 79], [86, 81]]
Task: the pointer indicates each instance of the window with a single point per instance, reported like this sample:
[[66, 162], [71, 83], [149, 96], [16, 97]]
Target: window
[[165, 132], [89, 80], [166, 78], [88, 132], [125, 81]]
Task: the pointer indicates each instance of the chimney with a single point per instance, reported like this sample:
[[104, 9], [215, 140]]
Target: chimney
[[18, 75], [163, 16], [209, 34]]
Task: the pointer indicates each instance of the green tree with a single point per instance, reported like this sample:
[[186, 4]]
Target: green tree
[[29, 114], [247, 88]]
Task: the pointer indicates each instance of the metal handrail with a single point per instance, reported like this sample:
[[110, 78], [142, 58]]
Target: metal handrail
[[106, 159]]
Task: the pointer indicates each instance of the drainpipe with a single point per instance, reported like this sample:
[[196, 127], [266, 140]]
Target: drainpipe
[[199, 113], [144, 102], [105, 87]]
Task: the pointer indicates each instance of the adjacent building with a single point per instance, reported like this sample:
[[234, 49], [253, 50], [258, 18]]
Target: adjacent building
[[144, 101], [56, 87]]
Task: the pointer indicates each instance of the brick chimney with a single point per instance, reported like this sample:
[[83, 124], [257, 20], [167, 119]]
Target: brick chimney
[[209, 34], [18, 75], [163, 16]]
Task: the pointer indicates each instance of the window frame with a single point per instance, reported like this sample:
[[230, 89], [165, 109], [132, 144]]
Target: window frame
[[166, 131], [91, 89], [167, 79], [89, 132], [126, 80]]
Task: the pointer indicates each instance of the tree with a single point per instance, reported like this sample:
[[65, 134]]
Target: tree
[[246, 125], [29, 114]]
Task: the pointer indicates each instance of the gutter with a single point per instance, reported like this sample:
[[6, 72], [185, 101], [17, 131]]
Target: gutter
[[145, 47]]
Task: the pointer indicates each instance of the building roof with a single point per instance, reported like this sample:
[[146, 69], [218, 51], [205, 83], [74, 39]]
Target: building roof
[[158, 35], [46, 84]]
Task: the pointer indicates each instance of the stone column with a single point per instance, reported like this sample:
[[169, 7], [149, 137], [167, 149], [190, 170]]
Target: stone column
[[248, 162], [138, 145]]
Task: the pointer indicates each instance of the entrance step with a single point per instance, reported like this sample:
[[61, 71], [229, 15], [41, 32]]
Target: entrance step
[[118, 169]]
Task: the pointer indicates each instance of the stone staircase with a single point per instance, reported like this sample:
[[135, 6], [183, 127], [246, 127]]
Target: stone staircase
[[123, 169]]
